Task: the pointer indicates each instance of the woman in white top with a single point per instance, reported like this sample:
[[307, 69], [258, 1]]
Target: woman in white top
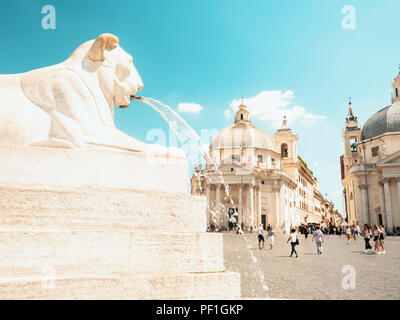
[[293, 242], [347, 231], [376, 239]]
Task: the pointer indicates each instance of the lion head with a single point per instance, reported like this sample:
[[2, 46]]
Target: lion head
[[117, 75]]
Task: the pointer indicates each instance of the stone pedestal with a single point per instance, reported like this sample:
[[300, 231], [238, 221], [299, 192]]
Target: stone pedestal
[[77, 240]]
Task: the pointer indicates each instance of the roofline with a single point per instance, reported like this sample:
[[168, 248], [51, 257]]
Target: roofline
[[389, 133]]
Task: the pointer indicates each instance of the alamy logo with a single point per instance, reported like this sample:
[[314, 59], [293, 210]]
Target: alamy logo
[[349, 280], [349, 20], [49, 20]]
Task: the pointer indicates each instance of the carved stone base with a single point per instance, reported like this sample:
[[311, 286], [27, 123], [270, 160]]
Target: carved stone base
[[108, 243]]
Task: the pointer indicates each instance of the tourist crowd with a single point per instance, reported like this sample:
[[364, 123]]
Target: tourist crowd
[[377, 233]]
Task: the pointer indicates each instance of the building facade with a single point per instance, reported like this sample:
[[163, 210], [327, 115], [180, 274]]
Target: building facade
[[370, 165], [251, 178]]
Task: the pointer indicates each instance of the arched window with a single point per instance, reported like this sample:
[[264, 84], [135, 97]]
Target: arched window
[[241, 116], [284, 150]]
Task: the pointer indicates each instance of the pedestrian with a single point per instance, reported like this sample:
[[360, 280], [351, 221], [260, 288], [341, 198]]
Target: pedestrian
[[347, 232], [319, 238], [271, 237], [306, 232], [358, 231], [261, 237], [294, 241], [376, 233], [382, 237], [366, 233], [354, 231]]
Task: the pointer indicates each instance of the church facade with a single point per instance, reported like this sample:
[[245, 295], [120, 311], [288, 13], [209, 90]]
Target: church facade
[[370, 165], [251, 178]]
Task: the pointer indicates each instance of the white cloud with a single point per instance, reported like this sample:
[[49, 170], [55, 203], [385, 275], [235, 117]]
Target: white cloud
[[271, 106], [189, 107], [228, 113]]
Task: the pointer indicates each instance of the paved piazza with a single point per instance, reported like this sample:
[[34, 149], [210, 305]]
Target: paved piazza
[[273, 274]]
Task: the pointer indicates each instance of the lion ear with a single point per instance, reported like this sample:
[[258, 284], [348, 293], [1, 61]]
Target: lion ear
[[105, 41]]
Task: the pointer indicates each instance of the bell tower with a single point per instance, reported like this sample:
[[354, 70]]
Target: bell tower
[[286, 144], [351, 137]]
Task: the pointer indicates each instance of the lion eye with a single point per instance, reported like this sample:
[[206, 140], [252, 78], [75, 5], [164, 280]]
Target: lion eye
[[122, 72]]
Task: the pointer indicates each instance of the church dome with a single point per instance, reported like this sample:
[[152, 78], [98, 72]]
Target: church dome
[[385, 120], [242, 134]]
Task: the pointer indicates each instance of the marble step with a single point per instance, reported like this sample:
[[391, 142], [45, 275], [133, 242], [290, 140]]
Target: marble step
[[217, 285], [48, 207], [67, 253]]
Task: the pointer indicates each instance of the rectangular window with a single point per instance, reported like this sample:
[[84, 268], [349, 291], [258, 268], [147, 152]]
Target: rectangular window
[[375, 151], [260, 158], [236, 157]]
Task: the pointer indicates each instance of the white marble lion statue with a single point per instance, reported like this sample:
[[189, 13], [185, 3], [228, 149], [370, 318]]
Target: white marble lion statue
[[71, 104]]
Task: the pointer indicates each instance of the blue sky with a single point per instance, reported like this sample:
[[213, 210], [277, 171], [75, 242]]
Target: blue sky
[[211, 52]]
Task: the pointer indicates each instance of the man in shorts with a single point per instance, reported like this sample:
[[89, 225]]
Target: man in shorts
[[261, 236]]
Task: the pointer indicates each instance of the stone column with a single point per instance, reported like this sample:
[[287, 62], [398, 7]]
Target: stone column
[[217, 201], [388, 204], [365, 214], [398, 189], [382, 198], [208, 193], [275, 188], [240, 218], [251, 202]]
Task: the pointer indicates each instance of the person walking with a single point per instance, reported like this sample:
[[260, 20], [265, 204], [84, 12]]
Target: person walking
[[347, 232], [382, 237], [261, 237], [271, 237], [319, 238], [306, 232], [366, 233], [354, 231], [376, 233], [294, 241], [358, 231]]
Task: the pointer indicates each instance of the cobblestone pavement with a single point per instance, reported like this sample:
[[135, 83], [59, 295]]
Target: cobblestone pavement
[[273, 274]]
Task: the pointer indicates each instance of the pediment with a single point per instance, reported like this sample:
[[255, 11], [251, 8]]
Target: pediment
[[393, 159]]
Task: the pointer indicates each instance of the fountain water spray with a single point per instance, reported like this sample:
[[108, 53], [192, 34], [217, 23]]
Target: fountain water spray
[[190, 140], [192, 145]]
